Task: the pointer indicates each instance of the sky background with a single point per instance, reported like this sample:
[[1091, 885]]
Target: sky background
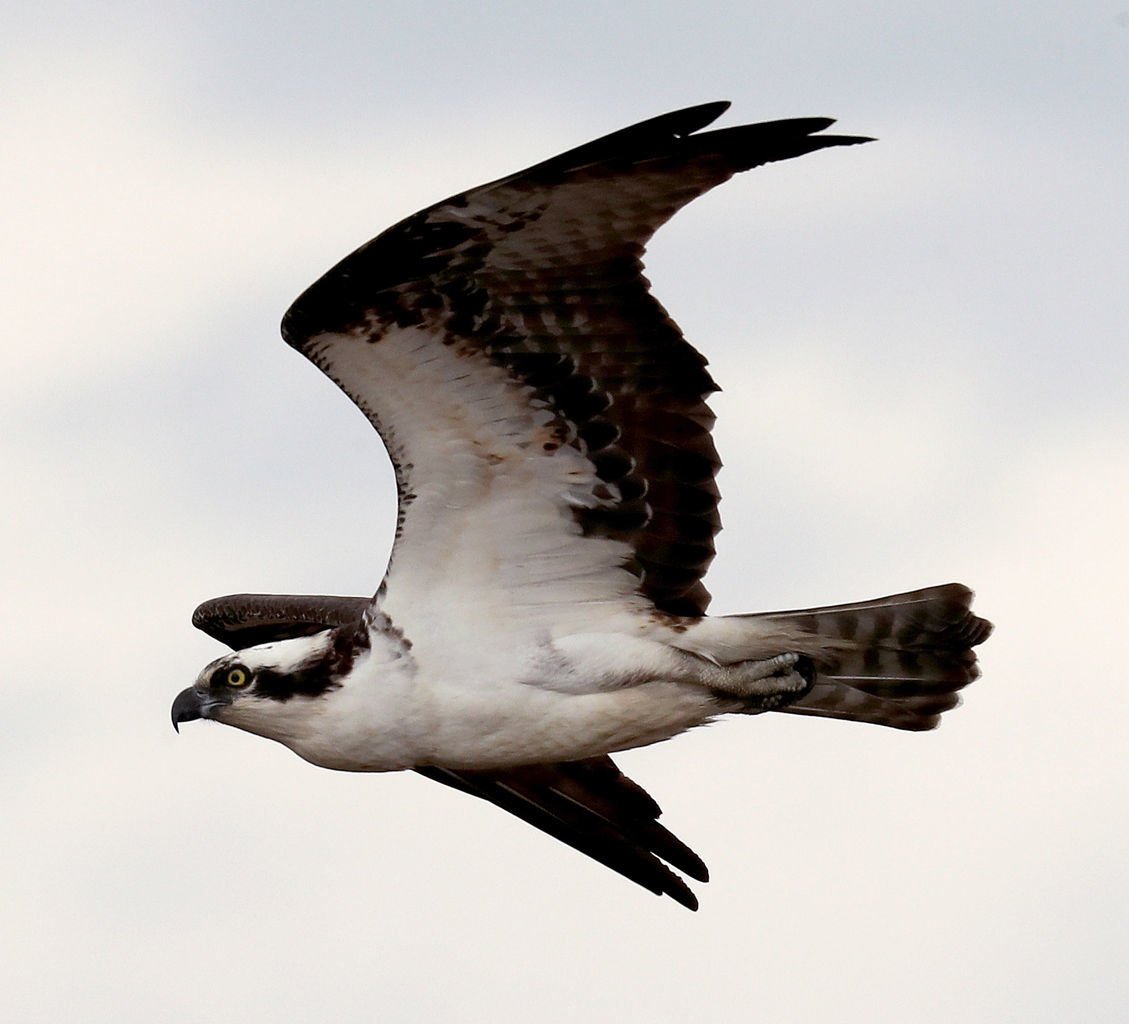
[[923, 350]]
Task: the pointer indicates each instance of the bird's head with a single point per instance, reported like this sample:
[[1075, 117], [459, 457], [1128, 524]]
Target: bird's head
[[268, 688]]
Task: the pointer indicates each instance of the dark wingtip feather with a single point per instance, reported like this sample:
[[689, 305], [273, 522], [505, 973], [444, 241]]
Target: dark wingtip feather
[[592, 807], [645, 138], [747, 146], [680, 122], [751, 145]]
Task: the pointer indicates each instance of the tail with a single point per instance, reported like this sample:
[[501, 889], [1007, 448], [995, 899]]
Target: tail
[[897, 661]]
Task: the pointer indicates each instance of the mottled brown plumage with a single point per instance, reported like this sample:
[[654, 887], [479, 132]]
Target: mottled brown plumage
[[540, 274]]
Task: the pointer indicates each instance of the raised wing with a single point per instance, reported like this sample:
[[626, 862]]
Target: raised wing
[[547, 420], [590, 805]]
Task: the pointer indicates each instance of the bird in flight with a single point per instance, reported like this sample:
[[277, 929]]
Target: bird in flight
[[543, 605]]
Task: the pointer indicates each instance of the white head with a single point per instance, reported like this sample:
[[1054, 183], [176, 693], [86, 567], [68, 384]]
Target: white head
[[269, 689]]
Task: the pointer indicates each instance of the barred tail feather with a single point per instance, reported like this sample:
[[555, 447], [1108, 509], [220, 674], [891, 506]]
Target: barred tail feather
[[897, 661]]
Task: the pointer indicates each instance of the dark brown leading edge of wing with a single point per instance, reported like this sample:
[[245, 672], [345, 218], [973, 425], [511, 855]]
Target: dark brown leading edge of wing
[[590, 805], [540, 273], [247, 620]]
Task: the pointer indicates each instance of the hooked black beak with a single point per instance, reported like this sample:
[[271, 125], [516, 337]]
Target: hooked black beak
[[187, 707]]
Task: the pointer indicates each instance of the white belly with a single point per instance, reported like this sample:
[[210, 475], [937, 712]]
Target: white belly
[[385, 722], [528, 725]]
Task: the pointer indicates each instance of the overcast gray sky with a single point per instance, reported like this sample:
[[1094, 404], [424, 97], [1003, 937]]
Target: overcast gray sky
[[922, 345]]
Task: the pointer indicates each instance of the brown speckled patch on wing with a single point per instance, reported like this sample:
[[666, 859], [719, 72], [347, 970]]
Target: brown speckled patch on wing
[[540, 274]]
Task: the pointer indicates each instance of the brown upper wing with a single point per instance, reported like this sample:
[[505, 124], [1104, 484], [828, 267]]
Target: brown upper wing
[[539, 274]]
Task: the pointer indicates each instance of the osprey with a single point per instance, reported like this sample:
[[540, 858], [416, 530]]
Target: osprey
[[543, 606]]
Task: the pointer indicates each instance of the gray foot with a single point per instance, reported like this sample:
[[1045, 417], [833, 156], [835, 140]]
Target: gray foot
[[769, 683]]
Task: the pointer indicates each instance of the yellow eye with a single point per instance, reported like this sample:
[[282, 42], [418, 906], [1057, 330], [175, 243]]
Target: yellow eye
[[236, 677]]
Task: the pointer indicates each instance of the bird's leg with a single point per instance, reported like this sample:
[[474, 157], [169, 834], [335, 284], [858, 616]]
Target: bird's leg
[[772, 681], [587, 662]]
